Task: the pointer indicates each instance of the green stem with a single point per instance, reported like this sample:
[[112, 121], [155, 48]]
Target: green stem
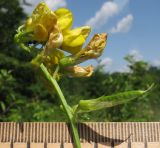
[[66, 107]]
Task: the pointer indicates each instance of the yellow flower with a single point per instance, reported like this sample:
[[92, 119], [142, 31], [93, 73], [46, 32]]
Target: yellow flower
[[73, 40], [64, 18], [93, 50], [41, 22], [54, 31]]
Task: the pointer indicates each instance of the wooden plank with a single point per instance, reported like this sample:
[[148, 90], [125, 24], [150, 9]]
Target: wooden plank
[[53, 145], [19, 145], [122, 145], [68, 145], [108, 145], [104, 145], [57, 132], [87, 145], [137, 145], [153, 145], [5, 145], [83, 145], [37, 145]]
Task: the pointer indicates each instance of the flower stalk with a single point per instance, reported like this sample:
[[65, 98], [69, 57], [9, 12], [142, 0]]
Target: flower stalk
[[68, 110]]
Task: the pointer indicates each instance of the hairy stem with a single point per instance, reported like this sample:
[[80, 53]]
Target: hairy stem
[[66, 107]]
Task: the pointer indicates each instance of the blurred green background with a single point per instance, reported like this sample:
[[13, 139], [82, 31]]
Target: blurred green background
[[24, 98]]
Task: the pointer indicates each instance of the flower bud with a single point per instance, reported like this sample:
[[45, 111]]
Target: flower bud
[[67, 61]]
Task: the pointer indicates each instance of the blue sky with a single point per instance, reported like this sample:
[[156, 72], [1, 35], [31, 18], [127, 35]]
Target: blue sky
[[132, 25]]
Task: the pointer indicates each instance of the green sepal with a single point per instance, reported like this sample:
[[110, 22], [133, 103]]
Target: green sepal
[[67, 61]]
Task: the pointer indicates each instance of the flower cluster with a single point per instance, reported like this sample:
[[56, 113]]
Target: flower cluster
[[53, 31]]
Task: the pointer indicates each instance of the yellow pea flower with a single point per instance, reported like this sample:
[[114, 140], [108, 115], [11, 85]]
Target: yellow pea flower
[[64, 18], [54, 29], [41, 22], [93, 50], [74, 39], [40, 33]]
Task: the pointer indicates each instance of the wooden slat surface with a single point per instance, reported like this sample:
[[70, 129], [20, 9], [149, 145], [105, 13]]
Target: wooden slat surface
[[83, 145], [19, 145], [5, 145], [52, 132], [36, 145], [92, 135], [153, 145], [137, 144], [53, 145]]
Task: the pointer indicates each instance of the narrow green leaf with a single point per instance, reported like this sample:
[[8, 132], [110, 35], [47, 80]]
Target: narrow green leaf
[[108, 101]]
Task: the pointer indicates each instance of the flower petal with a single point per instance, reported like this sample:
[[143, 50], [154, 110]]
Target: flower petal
[[40, 33], [74, 39], [41, 15], [55, 39], [64, 18]]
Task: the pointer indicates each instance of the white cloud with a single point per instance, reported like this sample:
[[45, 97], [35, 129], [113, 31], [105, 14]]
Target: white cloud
[[106, 62], [156, 63], [124, 25], [136, 55], [52, 4], [107, 10]]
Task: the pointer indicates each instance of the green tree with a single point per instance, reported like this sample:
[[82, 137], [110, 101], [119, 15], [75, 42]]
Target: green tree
[[20, 91]]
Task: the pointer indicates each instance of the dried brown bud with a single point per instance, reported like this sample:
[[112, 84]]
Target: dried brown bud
[[94, 48], [78, 71]]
